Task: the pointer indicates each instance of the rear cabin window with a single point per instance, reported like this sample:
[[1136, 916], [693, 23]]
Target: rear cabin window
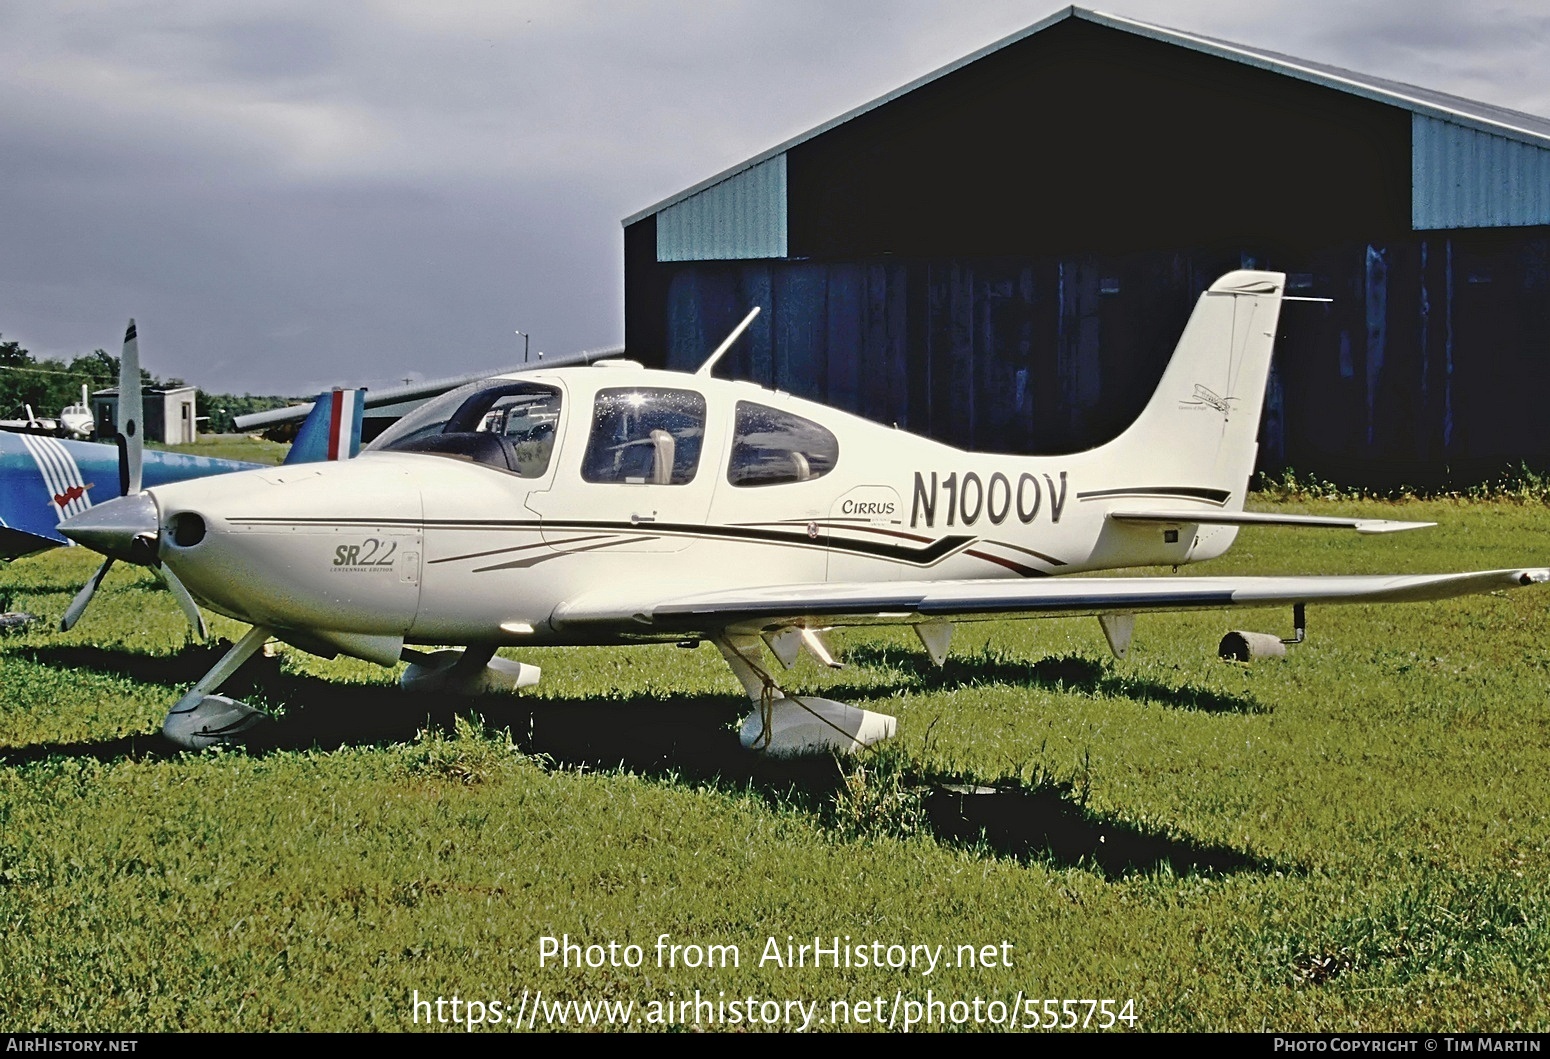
[[645, 436], [509, 426], [772, 447]]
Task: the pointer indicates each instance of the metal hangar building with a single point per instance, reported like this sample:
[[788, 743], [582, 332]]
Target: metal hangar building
[[1002, 253]]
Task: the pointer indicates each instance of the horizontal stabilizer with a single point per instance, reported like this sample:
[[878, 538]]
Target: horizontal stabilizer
[[1263, 518]]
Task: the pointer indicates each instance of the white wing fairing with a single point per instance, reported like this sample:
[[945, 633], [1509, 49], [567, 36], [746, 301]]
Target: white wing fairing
[[615, 504]]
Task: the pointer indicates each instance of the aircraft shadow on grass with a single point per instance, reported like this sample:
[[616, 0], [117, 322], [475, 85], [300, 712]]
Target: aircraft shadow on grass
[[686, 738], [1068, 672]]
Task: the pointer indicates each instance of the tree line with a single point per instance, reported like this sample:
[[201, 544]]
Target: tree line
[[48, 384]]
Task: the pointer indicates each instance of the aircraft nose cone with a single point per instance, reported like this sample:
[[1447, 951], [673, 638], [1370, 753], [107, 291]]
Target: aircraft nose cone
[[124, 528]]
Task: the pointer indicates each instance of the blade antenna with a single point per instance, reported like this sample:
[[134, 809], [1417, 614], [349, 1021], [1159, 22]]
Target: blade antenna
[[726, 343]]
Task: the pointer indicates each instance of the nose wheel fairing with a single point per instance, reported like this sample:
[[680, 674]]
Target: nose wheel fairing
[[202, 719]]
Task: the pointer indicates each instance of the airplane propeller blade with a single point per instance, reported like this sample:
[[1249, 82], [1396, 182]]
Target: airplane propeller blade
[[131, 416], [131, 457], [78, 605], [125, 528], [185, 600]]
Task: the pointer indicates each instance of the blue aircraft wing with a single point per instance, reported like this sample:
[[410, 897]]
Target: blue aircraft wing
[[45, 480]]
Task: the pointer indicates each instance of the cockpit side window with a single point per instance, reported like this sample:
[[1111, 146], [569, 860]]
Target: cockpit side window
[[645, 436], [772, 447], [509, 426]]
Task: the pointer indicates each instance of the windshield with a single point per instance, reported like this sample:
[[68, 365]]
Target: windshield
[[507, 425], [429, 418]]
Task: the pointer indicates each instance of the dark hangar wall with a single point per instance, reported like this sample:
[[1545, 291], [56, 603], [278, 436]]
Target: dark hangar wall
[[1004, 257]]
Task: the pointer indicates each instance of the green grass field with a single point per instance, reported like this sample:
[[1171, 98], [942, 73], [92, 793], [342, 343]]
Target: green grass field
[[1354, 838], [233, 447]]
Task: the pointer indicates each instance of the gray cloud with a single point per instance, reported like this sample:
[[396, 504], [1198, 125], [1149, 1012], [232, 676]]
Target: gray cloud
[[293, 194]]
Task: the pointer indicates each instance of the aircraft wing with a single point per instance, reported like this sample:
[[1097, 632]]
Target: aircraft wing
[[918, 602], [45, 479], [15, 543]]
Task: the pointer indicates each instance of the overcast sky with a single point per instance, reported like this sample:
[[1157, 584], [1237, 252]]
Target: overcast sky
[[294, 194]]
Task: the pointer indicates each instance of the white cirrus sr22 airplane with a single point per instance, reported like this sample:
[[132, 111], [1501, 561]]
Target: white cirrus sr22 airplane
[[614, 504]]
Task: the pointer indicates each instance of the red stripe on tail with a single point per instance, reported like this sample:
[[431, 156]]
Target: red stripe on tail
[[335, 412]]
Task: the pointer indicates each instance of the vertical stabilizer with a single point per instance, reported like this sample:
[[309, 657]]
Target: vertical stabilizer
[[1198, 436], [332, 430]]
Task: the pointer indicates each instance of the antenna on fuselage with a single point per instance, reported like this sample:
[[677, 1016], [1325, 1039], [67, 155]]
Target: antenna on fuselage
[[726, 343]]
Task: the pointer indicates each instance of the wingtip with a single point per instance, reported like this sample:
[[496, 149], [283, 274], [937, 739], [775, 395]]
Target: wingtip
[[1384, 525]]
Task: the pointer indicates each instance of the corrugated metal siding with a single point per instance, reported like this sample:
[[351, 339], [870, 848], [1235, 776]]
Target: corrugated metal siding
[[1426, 369], [742, 217], [1464, 178]]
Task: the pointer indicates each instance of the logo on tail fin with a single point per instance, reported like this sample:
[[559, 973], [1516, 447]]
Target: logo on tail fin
[[1206, 397]]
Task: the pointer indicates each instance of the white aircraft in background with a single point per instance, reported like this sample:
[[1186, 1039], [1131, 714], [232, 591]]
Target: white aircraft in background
[[30, 423], [613, 504], [75, 421]]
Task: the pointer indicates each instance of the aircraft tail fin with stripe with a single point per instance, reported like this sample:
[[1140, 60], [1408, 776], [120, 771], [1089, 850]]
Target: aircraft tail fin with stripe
[[332, 430]]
